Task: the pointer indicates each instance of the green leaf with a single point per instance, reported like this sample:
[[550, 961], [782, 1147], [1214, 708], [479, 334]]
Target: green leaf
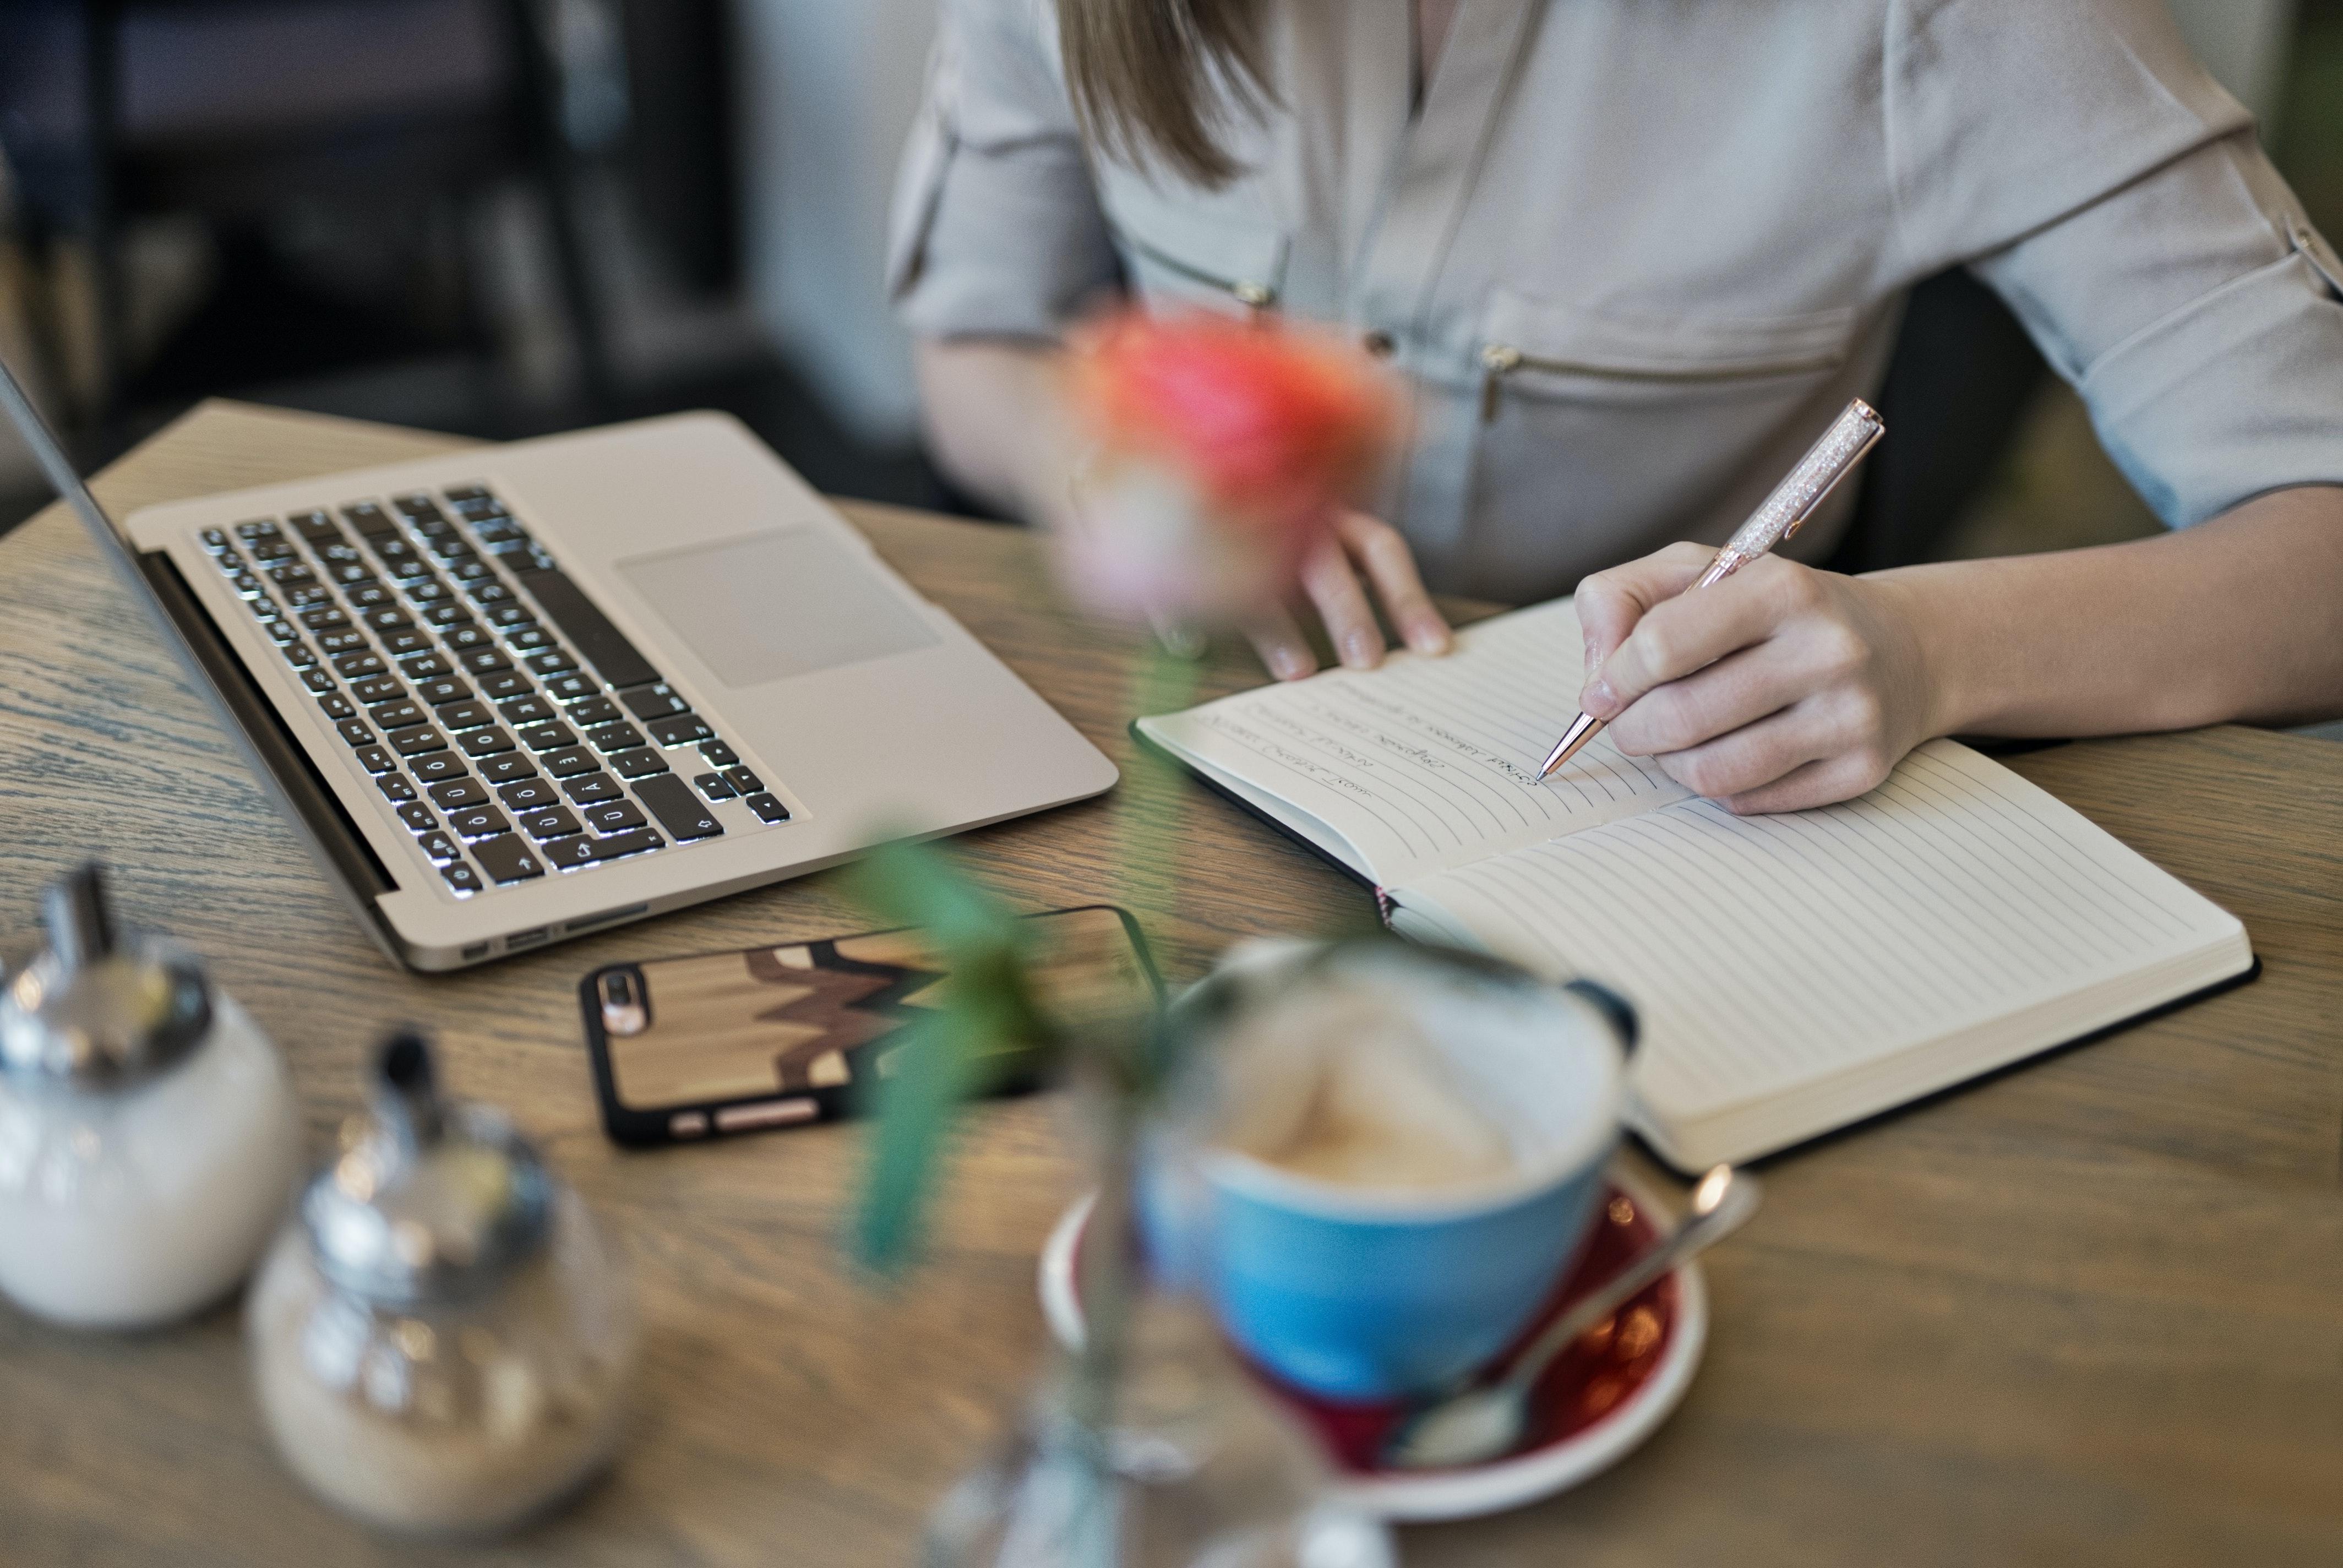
[[987, 1027]]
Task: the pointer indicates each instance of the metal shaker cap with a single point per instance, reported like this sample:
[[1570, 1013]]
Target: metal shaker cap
[[431, 1200], [99, 1010]]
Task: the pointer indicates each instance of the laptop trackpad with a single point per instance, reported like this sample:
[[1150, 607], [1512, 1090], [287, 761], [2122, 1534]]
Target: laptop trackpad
[[778, 604]]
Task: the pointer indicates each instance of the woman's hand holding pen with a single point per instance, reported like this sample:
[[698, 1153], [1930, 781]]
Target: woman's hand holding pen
[[1778, 688]]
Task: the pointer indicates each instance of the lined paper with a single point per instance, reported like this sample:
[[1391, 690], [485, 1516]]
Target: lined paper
[[1768, 953], [1427, 764]]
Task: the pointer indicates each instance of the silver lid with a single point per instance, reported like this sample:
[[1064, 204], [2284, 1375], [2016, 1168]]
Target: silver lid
[[431, 1200], [96, 1009]]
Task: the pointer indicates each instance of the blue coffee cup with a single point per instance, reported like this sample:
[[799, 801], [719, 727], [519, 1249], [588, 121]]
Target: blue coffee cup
[[1356, 1291]]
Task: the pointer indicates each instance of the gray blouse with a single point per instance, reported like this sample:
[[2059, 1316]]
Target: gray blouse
[[1634, 255]]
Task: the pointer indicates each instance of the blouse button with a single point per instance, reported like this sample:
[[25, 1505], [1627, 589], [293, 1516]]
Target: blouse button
[[1380, 343]]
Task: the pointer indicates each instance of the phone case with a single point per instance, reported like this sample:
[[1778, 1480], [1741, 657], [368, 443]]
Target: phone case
[[688, 1049]]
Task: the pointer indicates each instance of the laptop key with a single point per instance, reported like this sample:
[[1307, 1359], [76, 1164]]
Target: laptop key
[[397, 715], [481, 660], [719, 755], [423, 666], [394, 789], [528, 638], [769, 808], [595, 709], [530, 710], [553, 661], [613, 816], [712, 785], [442, 690], [574, 850], [215, 539], [376, 759], [613, 736], [448, 617], [329, 618], [336, 707], [464, 639], [314, 526], [342, 641], [298, 655], [572, 687], [415, 742], [548, 736], [547, 822], [657, 700], [417, 816], [466, 715], [680, 730], [471, 822], [683, 814], [280, 631], [743, 780], [509, 859], [317, 681], [456, 794], [377, 689], [568, 762], [528, 794], [592, 789], [511, 767], [505, 684], [508, 615], [350, 666], [484, 742], [390, 617], [356, 733], [399, 643], [633, 843], [256, 529], [434, 767], [640, 763], [461, 877], [368, 594]]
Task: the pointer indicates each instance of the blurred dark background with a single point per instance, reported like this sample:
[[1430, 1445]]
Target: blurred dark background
[[503, 217]]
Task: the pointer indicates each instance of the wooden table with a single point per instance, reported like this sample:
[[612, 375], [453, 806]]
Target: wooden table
[[2088, 1312]]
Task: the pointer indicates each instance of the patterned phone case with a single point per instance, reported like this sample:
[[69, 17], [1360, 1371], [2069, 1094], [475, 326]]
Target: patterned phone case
[[694, 1048]]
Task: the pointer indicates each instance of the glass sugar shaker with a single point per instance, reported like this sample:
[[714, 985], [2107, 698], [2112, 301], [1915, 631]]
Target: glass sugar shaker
[[149, 1140], [441, 1339]]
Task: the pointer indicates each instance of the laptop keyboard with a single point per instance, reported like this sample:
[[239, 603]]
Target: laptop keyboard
[[509, 724]]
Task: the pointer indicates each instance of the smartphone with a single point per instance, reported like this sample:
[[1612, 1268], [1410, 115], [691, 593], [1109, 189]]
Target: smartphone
[[689, 1048]]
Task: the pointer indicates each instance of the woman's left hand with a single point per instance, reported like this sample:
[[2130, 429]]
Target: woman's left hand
[[1778, 688]]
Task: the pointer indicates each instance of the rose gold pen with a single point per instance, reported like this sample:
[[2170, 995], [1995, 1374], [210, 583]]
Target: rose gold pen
[[1846, 443]]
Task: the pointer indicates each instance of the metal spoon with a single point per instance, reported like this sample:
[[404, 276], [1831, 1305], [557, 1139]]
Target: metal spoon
[[1474, 1425]]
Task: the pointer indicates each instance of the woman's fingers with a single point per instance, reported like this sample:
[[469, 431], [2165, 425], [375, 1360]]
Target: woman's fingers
[[1390, 565], [1825, 781], [1611, 602], [1334, 588], [1280, 642], [1693, 630], [1740, 689], [1752, 756]]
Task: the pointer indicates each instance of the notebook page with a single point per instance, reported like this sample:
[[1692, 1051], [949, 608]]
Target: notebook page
[[1764, 953], [1429, 763]]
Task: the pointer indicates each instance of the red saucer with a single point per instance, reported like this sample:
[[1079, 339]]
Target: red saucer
[[1597, 1400]]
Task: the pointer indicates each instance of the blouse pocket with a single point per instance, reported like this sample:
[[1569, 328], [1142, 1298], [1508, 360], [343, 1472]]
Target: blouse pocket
[[1216, 260], [1543, 349]]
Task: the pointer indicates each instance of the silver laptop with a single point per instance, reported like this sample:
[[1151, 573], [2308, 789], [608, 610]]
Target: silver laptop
[[524, 692]]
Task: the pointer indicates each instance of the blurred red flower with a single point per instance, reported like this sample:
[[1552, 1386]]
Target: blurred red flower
[[1223, 449]]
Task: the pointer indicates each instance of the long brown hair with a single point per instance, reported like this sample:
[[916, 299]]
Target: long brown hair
[[1162, 77]]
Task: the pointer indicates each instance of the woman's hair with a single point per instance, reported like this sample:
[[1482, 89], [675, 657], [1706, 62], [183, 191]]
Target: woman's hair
[[1161, 77]]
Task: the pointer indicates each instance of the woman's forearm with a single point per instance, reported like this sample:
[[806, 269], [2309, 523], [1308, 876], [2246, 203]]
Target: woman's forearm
[[995, 421], [2238, 619]]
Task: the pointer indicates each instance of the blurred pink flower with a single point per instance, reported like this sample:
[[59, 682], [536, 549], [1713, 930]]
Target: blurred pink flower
[[1223, 450]]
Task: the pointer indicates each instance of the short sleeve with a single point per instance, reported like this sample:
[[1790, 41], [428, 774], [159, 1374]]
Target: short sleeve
[[2197, 312], [2082, 163], [996, 230]]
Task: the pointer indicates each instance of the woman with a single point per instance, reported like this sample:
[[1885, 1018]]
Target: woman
[[1632, 256]]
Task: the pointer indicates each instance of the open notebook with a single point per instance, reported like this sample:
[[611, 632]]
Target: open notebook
[[1793, 973]]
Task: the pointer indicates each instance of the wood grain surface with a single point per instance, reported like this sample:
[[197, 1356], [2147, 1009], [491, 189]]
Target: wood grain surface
[[2089, 1312]]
